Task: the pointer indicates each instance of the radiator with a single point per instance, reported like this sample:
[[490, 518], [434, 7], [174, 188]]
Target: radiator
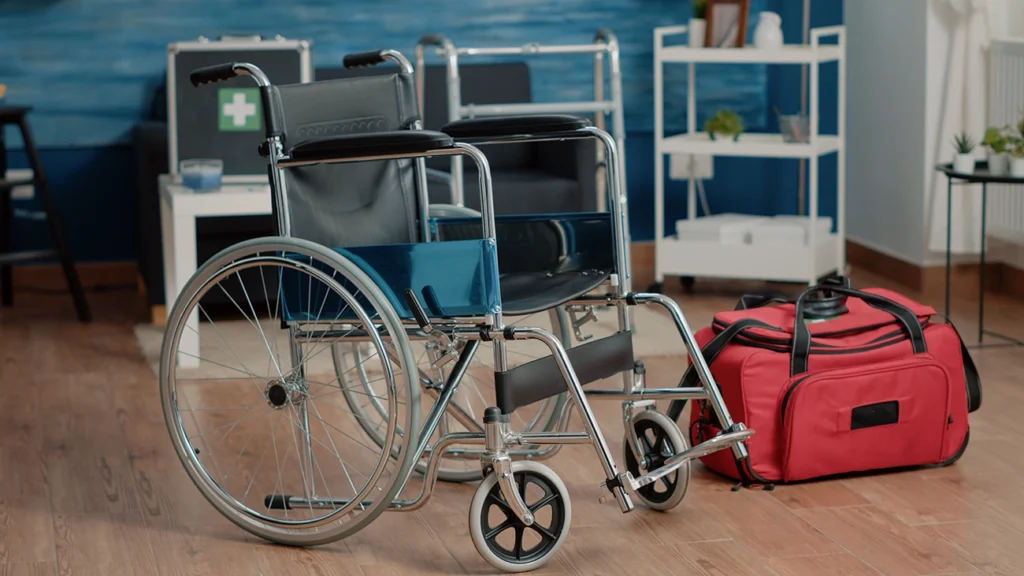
[[1005, 211]]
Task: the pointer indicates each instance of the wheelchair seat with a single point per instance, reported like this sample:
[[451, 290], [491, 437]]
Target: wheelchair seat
[[531, 292], [544, 260]]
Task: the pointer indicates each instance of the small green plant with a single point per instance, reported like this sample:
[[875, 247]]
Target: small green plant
[[996, 140], [963, 143], [700, 8], [1017, 148], [725, 122]]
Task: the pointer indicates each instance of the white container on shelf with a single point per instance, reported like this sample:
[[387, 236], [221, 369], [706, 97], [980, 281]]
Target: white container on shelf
[[784, 231], [727, 229], [768, 35]]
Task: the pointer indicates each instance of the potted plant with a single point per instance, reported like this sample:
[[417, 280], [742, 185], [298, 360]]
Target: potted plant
[[1017, 158], [963, 162], [998, 143], [725, 124], [698, 23]]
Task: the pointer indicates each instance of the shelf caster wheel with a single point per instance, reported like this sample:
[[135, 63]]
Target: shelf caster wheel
[[504, 540], [655, 288], [687, 282], [661, 439]]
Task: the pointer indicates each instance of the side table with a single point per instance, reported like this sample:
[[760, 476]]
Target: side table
[[179, 209], [981, 176]]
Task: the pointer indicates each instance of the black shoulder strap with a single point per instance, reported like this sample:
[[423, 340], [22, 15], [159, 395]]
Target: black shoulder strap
[[971, 377], [710, 351]]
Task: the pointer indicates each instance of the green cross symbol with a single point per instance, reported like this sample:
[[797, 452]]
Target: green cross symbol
[[238, 109]]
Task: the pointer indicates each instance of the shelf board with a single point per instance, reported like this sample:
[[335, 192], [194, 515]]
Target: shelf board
[[788, 54], [796, 262], [749, 145]]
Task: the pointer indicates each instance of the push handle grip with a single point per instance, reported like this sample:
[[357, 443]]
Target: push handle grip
[[214, 73], [360, 59]]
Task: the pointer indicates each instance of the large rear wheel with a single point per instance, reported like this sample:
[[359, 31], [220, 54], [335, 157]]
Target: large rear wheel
[[254, 407]]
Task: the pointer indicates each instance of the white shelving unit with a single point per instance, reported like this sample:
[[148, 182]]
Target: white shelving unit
[[822, 254]]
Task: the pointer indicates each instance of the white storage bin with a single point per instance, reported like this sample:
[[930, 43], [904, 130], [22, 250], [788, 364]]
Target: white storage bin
[[728, 229], [788, 230]]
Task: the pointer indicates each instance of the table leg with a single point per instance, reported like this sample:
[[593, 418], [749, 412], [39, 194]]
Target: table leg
[[949, 240], [179, 244], [6, 223], [981, 271]]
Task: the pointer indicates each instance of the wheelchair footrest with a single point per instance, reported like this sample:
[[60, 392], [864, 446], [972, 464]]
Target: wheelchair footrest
[[715, 444], [287, 502]]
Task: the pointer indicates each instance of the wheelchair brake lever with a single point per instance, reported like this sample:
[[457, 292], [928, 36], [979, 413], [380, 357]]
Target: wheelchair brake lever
[[417, 311], [441, 347]]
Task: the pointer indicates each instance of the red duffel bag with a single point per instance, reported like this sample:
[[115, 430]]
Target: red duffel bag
[[837, 381]]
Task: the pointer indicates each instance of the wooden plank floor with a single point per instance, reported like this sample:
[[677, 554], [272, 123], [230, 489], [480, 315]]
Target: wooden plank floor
[[89, 484]]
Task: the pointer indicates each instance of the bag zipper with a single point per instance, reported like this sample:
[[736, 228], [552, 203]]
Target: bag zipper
[[785, 344], [786, 396], [718, 326]]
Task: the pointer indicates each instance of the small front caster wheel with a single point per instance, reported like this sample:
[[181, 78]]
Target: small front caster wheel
[[661, 439], [505, 541]]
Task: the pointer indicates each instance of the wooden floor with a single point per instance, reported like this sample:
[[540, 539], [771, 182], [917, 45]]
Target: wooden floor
[[89, 484]]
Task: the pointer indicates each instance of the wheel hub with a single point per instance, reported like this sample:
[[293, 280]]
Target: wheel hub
[[279, 394]]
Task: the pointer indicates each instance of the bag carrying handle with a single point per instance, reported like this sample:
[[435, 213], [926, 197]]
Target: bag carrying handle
[[802, 334], [822, 302]]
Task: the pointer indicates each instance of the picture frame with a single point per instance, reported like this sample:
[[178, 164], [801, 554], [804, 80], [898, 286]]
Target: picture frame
[[726, 23]]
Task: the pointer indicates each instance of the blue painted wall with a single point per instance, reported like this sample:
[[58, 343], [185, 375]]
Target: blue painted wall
[[89, 68]]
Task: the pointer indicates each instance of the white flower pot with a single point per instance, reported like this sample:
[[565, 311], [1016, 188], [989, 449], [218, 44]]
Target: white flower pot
[[963, 164], [998, 164], [698, 29], [1017, 167]]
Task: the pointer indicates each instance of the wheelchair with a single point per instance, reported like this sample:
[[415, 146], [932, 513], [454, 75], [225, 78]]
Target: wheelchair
[[370, 298]]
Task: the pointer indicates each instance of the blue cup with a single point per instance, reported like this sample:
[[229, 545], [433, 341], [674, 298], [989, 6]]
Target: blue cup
[[201, 174]]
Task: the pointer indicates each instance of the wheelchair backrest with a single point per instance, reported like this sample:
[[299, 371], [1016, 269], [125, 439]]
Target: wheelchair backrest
[[351, 204]]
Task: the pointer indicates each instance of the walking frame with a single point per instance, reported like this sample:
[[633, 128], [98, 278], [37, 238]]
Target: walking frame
[[604, 44]]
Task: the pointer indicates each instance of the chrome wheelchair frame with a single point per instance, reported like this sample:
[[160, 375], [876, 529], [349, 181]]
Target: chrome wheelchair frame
[[409, 320]]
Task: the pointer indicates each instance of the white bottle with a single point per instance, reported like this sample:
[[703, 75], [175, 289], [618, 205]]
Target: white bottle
[[768, 34]]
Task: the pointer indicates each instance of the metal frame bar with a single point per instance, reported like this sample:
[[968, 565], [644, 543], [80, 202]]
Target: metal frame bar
[[605, 42]]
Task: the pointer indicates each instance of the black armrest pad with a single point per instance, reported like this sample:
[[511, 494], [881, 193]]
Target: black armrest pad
[[371, 144], [499, 126]]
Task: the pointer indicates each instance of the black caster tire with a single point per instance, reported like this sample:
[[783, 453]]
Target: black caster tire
[[661, 439], [553, 503]]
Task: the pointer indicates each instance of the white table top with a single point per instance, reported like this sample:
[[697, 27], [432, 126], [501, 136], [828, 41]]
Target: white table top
[[231, 199]]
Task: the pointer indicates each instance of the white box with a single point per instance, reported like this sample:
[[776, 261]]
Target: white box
[[788, 230], [728, 229]]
